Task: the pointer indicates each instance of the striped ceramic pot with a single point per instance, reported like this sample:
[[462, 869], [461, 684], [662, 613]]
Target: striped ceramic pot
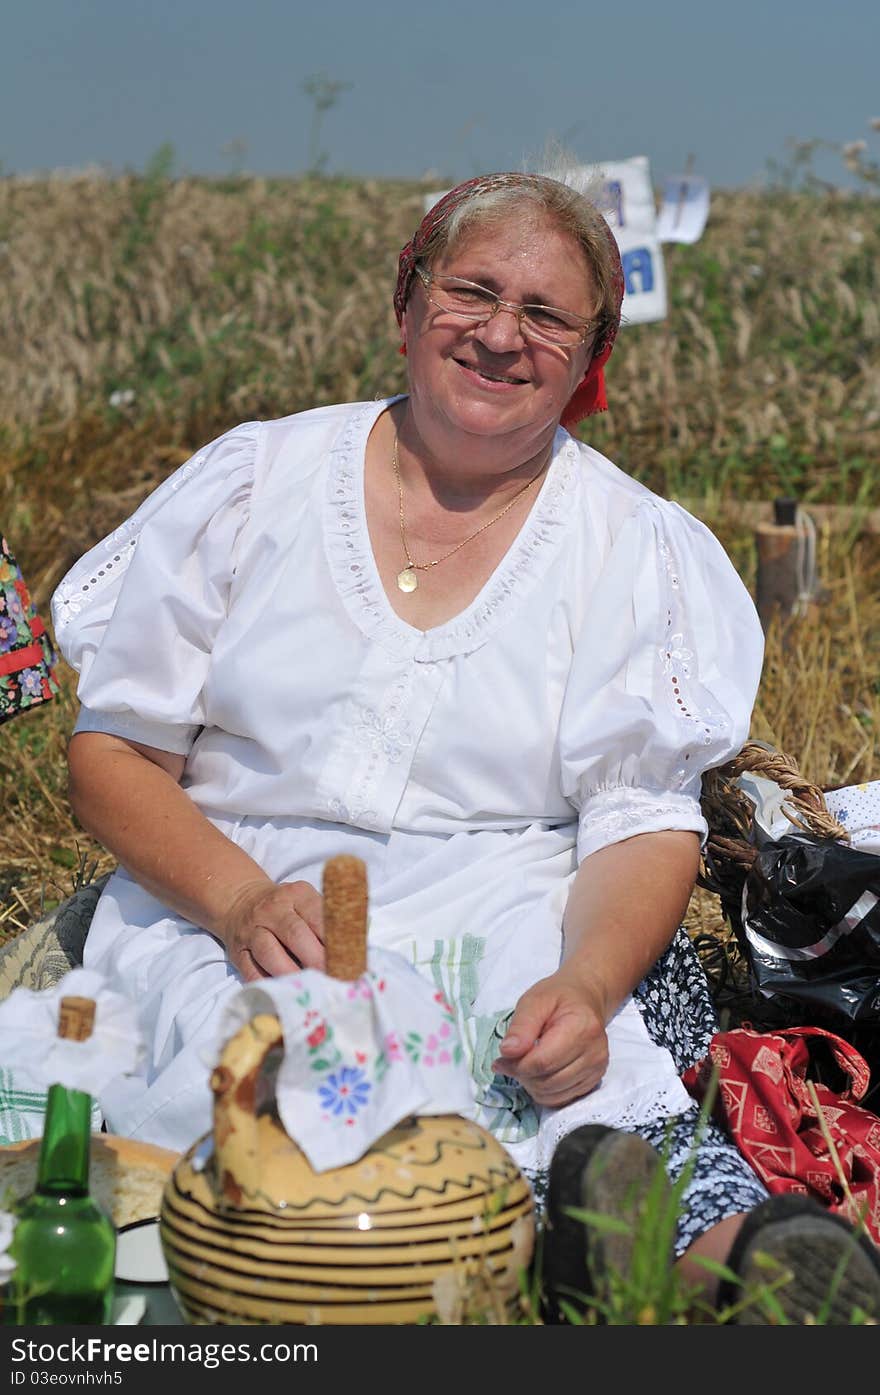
[[434, 1222]]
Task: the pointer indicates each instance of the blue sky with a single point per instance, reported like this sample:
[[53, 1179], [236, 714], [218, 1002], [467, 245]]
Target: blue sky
[[446, 89]]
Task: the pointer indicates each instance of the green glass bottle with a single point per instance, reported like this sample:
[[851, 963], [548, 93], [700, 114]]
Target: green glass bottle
[[64, 1244]]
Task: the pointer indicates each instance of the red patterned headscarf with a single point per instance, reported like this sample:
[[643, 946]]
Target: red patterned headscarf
[[589, 395]]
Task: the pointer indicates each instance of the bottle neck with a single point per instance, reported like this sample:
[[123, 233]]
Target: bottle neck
[[67, 1137]]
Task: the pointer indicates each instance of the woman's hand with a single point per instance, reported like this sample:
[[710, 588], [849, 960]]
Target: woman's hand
[[129, 797], [556, 1044], [623, 908], [275, 929]]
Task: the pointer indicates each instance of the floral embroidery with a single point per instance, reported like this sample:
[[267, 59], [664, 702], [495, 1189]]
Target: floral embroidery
[[385, 733], [361, 988], [674, 660], [315, 1038], [333, 1108], [323, 1053], [666, 554], [434, 1049], [628, 809], [74, 593], [674, 655], [111, 557], [345, 1092], [351, 813]]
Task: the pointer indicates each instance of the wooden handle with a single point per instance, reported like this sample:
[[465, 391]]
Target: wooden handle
[[345, 916], [76, 1018]]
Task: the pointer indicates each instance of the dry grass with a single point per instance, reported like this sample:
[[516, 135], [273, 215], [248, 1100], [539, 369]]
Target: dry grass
[[207, 303]]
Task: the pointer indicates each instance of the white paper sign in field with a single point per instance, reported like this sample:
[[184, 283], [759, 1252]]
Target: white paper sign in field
[[684, 210], [623, 190]]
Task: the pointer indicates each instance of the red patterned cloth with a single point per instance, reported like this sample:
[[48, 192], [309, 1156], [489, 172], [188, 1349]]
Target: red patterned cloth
[[764, 1103], [27, 657], [589, 395]]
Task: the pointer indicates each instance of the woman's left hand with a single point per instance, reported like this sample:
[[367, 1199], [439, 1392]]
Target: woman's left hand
[[556, 1045]]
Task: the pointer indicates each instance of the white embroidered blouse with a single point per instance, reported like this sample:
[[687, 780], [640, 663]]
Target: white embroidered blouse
[[238, 618]]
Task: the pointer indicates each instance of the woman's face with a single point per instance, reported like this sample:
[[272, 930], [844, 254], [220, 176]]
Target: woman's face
[[487, 379]]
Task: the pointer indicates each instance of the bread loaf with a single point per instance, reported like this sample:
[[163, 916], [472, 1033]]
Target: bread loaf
[[126, 1177]]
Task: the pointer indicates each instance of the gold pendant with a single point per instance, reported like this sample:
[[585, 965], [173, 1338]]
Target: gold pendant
[[407, 580]]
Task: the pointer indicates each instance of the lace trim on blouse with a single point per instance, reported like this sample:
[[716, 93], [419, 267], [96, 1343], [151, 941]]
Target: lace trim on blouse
[[110, 558], [648, 1106], [610, 815], [706, 724], [79, 588], [353, 565]]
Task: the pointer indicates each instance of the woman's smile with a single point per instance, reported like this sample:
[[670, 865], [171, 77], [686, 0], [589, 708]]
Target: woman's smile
[[490, 378]]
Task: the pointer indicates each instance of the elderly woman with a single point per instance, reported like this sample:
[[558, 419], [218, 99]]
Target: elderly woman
[[438, 632]]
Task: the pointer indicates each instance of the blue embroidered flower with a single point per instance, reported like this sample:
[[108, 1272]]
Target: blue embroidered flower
[[345, 1092], [8, 633]]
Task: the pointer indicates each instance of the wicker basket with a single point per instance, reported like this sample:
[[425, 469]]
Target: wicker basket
[[730, 848]]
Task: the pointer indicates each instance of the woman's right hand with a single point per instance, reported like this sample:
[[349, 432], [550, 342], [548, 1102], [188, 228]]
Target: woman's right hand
[[273, 929], [129, 797]]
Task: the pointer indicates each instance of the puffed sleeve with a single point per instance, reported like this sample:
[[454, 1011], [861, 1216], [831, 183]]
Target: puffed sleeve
[[137, 615], [663, 679]]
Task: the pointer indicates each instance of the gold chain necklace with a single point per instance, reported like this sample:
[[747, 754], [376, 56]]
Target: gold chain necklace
[[407, 579]]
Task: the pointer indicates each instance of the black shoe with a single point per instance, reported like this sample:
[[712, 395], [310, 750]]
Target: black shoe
[[833, 1271], [597, 1169]]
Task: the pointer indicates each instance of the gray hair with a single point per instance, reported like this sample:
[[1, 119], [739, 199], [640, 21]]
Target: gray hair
[[497, 198]]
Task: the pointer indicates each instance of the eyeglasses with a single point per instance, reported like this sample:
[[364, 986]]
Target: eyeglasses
[[466, 299]]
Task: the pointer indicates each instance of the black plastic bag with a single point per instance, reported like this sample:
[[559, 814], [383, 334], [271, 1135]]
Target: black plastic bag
[[810, 926]]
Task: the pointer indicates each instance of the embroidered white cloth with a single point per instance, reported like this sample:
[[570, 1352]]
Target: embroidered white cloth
[[29, 1034], [358, 1057], [238, 618]]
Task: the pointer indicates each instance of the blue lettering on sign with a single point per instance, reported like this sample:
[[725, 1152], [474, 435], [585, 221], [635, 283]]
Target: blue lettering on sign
[[638, 270], [614, 200]]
